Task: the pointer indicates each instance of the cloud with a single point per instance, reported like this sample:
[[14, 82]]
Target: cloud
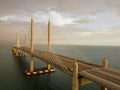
[[75, 20], [41, 16], [15, 18], [60, 19], [7, 18], [57, 18]]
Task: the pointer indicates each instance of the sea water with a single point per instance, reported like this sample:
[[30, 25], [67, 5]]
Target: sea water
[[12, 75]]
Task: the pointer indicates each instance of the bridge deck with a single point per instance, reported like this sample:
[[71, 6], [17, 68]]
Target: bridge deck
[[104, 76]]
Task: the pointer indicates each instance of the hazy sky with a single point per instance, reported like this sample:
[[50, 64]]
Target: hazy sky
[[84, 22]]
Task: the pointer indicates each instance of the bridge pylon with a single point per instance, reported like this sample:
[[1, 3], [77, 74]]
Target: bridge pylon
[[25, 42], [31, 46], [17, 40], [32, 70], [15, 51], [48, 65], [105, 65]]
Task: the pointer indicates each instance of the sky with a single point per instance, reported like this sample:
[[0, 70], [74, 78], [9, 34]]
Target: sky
[[78, 22]]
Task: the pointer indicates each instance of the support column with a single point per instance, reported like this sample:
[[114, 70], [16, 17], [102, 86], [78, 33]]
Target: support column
[[48, 65], [103, 88], [17, 40], [17, 44], [31, 46], [75, 80], [32, 29], [25, 42], [105, 65], [31, 64]]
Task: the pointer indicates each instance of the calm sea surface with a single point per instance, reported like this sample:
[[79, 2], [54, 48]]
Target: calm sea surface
[[12, 75]]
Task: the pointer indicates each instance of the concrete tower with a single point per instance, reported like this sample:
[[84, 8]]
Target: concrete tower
[[75, 81], [105, 65], [32, 31], [48, 65], [31, 45]]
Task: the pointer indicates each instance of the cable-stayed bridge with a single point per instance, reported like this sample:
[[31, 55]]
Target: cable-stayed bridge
[[82, 72]]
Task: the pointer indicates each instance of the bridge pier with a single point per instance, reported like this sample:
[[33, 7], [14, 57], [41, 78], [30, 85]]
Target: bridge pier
[[105, 65], [31, 64], [75, 80], [48, 66], [17, 53], [103, 88]]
